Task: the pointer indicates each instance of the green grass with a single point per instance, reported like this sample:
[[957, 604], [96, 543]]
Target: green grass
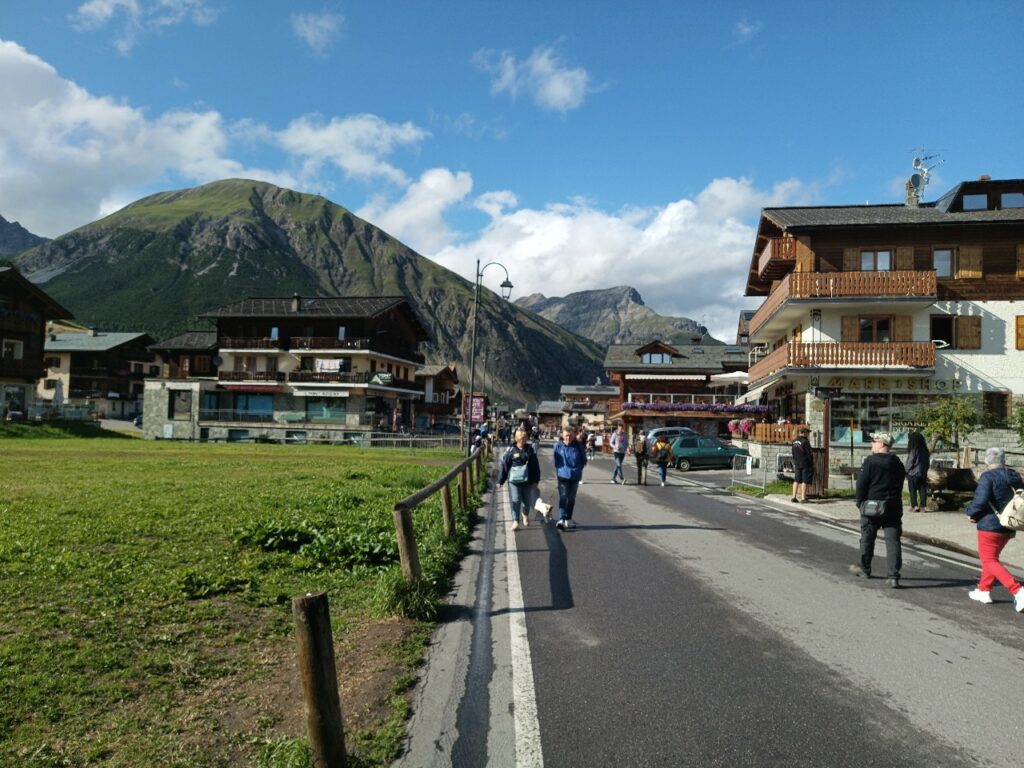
[[146, 591], [785, 487]]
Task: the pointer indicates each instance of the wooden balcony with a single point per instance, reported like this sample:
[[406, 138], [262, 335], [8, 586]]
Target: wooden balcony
[[236, 342], [777, 258], [275, 376], [840, 355], [831, 286], [328, 377], [328, 342], [775, 433]]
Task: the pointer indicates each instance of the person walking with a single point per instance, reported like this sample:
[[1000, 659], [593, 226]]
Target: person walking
[[803, 465], [661, 454], [996, 487], [521, 469], [620, 444], [918, 461], [640, 452], [881, 480], [570, 459]]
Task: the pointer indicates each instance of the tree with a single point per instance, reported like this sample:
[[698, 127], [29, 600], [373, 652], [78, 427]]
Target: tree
[[949, 419]]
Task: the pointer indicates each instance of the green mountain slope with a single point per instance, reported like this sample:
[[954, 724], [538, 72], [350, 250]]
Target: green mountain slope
[[161, 261]]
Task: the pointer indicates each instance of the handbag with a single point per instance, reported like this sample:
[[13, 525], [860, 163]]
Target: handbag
[[1012, 516], [873, 508], [519, 473]]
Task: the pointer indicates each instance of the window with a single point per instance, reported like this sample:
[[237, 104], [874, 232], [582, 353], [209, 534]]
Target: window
[[975, 202], [13, 349], [956, 331], [202, 364], [52, 362], [154, 370], [50, 384], [271, 364], [275, 333], [943, 262], [341, 333], [136, 367], [875, 329], [326, 409], [179, 404], [876, 261], [1011, 200], [656, 358]]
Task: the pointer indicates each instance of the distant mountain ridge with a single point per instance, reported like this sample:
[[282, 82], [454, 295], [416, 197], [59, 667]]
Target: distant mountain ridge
[[615, 316], [14, 238], [159, 263]]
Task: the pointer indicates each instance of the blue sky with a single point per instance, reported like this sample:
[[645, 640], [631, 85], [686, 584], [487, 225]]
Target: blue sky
[[582, 145]]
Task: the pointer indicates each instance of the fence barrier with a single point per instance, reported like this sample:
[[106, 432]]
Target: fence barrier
[[745, 467], [324, 724]]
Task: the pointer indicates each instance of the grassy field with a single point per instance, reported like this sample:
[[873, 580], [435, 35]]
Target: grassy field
[[146, 597]]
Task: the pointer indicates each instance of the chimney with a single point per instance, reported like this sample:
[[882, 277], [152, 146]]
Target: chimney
[[296, 302], [984, 177], [913, 193]]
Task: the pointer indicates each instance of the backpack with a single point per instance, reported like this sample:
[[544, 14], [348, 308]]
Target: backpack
[[1012, 516]]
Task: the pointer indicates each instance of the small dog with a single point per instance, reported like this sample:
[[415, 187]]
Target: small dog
[[544, 509]]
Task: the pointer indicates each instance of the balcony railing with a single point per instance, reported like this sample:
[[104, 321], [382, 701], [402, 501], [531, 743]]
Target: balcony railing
[[780, 252], [327, 342], [327, 377], [237, 342], [842, 285], [232, 415], [276, 376], [841, 354], [775, 433]]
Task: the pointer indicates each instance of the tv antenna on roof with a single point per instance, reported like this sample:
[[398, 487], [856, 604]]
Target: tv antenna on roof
[[919, 179]]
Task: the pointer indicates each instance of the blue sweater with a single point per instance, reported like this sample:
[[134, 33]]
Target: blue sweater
[[570, 460], [995, 488]]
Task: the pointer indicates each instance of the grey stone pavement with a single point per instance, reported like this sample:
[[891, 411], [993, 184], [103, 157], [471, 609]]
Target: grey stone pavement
[[949, 530]]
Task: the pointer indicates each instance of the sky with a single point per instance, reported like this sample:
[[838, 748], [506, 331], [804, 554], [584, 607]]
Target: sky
[[581, 145]]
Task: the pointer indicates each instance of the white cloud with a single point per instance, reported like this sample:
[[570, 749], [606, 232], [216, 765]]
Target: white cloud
[[317, 30], [687, 258], [745, 31], [543, 77], [136, 17], [356, 144], [417, 219]]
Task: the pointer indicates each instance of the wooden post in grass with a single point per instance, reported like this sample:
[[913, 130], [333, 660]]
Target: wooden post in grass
[[407, 544], [472, 474], [446, 511], [463, 491], [319, 680]]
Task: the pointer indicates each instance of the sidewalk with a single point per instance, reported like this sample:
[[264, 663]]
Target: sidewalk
[[949, 530]]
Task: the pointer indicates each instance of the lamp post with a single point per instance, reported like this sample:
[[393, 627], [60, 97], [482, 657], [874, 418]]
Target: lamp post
[[506, 291]]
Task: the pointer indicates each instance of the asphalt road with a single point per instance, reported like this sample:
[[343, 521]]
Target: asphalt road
[[683, 626]]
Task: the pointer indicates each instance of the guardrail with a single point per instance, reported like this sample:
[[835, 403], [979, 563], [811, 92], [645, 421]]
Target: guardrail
[[745, 467], [468, 471]]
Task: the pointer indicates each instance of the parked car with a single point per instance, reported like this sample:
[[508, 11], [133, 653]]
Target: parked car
[[137, 421], [690, 451], [15, 416], [669, 432]]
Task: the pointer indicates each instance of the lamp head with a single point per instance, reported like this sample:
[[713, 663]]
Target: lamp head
[[506, 289]]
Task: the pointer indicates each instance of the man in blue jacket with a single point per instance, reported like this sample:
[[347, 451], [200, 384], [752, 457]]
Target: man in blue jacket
[[570, 458]]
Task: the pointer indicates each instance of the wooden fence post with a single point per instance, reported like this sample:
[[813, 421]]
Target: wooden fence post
[[407, 544], [463, 491], [446, 511], [472, 475], [319, 680]]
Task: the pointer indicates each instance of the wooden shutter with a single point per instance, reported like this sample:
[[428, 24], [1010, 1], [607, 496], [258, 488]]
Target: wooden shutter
[[1020, 261], [1020, 331], [851, 259], [902, 328], [804, 257], [968, 332], [969, 262], [850, 328], [797, 333], [905, 258]]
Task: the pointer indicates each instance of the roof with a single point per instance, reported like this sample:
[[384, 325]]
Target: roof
[[197, 340], [549, 406], [694, 358], [87, 342], [52, 309], [883, 215], [436, 370], [593, 389], [339, 307]]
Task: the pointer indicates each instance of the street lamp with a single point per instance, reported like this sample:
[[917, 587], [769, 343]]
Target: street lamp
[[506, 291]]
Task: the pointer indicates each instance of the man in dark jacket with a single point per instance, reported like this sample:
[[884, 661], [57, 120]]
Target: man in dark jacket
[[803, 465], [881, 479]]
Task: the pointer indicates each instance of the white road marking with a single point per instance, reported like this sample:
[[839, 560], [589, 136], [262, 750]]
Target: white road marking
[[524, 698]]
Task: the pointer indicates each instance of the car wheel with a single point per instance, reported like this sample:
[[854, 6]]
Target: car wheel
[[683, 465]]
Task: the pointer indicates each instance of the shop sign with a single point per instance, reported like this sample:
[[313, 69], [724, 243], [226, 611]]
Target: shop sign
[[477, 410], [884, 384]]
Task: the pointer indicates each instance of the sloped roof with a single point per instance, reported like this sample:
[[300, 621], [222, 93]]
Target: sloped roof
[[593, 389], [693, 358], [86, 342], [52, 310], [549, 406], [197, 340], [883, 215]]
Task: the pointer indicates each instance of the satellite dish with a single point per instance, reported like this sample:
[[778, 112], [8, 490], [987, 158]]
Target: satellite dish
[[915, 180], [917, 162], [218, 361]]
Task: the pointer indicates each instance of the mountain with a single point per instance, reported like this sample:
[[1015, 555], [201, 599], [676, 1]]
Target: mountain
[[157, 264], [14, 238], [614, 316]]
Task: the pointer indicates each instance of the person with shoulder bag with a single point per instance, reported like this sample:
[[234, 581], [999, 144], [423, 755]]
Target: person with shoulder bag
[[880, 501], [521, 469], [661, 454], [918, 461], [620, 444], [996, 487], [640, 452]]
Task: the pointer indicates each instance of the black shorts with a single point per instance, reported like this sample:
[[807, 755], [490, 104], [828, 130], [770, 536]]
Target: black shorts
[[803, 475]]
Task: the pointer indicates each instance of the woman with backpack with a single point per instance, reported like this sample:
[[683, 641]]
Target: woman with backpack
[[918, 461], [661, 454], [521, 469], [996, 487]]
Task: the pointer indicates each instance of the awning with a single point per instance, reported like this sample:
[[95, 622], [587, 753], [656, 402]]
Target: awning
[[320, 393], [723, 379], [665, 377], [682, 413], [252, 387]]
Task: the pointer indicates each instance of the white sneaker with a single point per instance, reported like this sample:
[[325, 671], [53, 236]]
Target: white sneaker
[[515, 526], [560, 525], [663, 485], [985, 597], [526, 519], [1018, 600]]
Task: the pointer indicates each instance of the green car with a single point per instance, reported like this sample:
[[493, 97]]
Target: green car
[[698, 451]]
